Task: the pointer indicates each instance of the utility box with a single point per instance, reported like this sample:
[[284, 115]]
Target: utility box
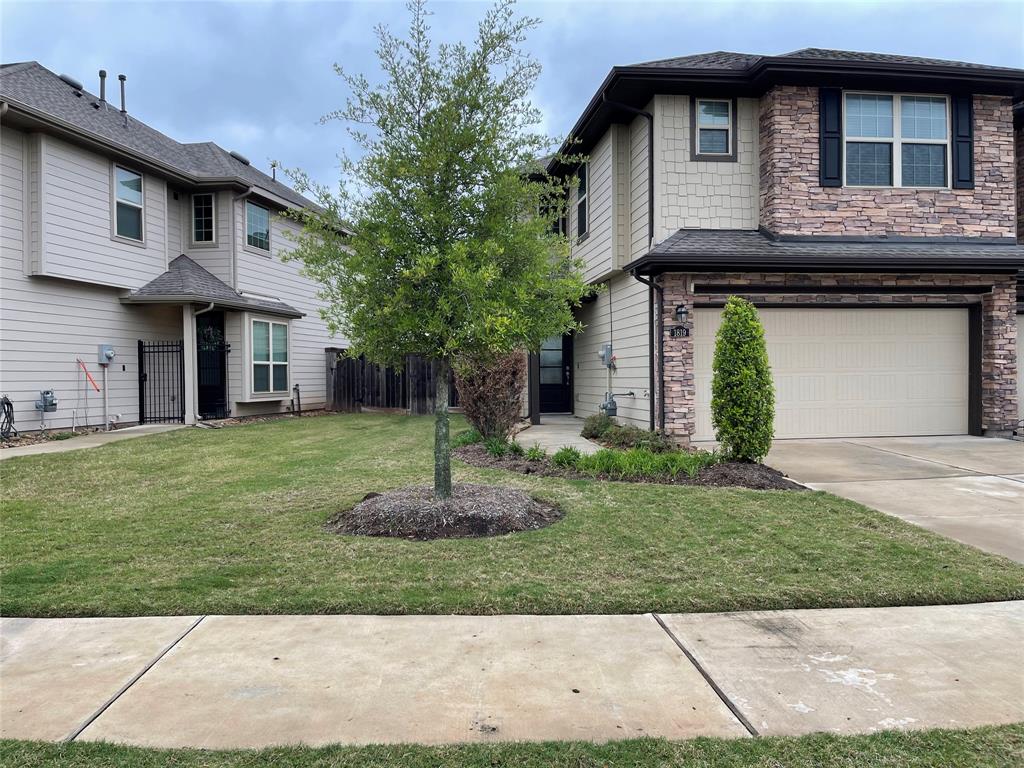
[[47, 402], [609, 407], [105, 354], [605, 353]]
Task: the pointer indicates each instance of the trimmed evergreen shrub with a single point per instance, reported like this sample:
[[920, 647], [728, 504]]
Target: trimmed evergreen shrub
[[628, 436], [742, 393], [490, 393]]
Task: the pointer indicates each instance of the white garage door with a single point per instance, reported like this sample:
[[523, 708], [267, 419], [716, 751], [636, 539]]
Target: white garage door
[[854, 372], [1020, 367]]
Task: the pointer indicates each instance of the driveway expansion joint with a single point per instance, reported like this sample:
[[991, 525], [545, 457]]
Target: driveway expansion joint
[[737, 713], [124, 688]]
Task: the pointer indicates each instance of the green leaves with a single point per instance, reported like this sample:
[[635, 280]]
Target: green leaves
[[451, 252], [742, 392]]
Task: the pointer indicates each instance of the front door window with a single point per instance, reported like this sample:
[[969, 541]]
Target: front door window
[[556, 375]]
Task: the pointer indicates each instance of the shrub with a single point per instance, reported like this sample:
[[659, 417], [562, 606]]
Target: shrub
[[742, 394], [643, 463], [496, 446], [535, 453], [596, 426], [490, 393], [567, 457], [515, 448], [466, 437], [634, 437]]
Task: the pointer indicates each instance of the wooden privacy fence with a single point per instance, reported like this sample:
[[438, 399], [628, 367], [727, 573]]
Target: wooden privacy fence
[[353, 383]]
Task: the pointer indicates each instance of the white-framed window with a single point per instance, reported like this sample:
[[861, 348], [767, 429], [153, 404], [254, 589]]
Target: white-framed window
[[257, 226], [895, 140], [269, 357], [204, 226], [582, 222], [714, 127], [129, 204]]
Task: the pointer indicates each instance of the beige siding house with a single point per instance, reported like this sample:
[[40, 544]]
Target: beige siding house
[[114, 234], [865, 203]]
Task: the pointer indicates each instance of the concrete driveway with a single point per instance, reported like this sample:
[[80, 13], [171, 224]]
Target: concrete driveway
[[967, 488]]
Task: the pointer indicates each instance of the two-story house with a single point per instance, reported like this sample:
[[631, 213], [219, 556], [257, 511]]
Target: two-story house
[[864, 202], [167, 253]]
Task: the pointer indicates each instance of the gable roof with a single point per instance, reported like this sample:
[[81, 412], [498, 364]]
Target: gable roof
[[187, 282], [43, 95]]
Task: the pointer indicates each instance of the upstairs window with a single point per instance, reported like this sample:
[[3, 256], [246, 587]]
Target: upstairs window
[[257, 226], [269, 357], [582, 225], [714, 127], [896, 141], [128, 204], [202, 218]]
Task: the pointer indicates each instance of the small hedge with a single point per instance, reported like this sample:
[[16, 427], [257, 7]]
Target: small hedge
[[604, 429]]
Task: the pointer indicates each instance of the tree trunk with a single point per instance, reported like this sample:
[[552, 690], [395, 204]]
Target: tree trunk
[[442, 444]]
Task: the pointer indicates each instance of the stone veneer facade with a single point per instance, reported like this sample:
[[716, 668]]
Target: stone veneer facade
[[793, 203], [1018, 141], [999, 329]]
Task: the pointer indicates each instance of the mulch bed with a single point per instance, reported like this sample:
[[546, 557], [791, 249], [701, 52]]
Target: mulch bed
[[471, 512], [49, 436], [237, 421], [758, 477]]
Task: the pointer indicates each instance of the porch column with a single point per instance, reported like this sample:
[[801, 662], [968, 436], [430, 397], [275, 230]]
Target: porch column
[[188, 336], [680, 387]]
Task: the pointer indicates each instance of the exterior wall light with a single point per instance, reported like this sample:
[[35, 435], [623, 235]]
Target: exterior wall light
[[681, 313]]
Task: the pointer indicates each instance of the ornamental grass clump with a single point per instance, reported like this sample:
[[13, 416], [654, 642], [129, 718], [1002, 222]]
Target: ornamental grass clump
[[742, 393]]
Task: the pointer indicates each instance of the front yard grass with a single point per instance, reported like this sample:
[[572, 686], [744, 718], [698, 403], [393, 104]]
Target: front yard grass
[[994, 747], [231, 521]]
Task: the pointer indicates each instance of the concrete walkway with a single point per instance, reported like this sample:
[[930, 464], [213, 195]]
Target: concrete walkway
[[556, 430], [967, 488], [91, 440], [253, 681]]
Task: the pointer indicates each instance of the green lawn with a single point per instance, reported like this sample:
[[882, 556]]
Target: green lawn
[[997, 747], [230, 521]]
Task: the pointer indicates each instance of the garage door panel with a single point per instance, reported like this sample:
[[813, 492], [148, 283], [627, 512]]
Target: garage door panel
[[854, 372]]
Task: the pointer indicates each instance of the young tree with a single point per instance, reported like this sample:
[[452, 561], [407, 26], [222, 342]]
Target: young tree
[[440, 242], [742, 392]]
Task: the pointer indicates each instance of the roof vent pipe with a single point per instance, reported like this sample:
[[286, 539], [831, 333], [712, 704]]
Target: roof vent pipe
[[103, 88], [124, 111]]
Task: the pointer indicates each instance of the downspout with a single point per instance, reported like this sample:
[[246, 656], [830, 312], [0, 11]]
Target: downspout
[[652, 286], [198, 312]]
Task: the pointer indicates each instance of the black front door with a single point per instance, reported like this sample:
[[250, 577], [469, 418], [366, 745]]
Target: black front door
[[211, 366], [556, 375]]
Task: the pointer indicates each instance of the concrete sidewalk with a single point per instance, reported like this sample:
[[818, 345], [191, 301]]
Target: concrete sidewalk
[[253, 681], [92, 440], [557, 430]]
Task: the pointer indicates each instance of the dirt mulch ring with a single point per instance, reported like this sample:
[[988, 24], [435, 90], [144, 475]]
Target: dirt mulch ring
[[727, 474], [471, 512]]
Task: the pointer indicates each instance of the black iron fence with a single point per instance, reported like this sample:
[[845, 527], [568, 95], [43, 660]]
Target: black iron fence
[[161, 382]]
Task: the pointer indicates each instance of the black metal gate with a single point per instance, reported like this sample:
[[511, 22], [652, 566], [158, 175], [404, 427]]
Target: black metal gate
[[212, 366], [161, 382]]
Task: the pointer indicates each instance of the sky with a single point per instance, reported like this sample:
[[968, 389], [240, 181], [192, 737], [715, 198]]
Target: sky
[[256, 77]]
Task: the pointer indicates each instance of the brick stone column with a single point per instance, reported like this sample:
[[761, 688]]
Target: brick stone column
[[999, 406], [680, 386]]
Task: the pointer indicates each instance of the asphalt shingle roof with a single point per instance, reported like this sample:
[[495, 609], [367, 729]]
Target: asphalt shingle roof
[[34, 86], [729, 60], [740, 249], [185, 280]]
